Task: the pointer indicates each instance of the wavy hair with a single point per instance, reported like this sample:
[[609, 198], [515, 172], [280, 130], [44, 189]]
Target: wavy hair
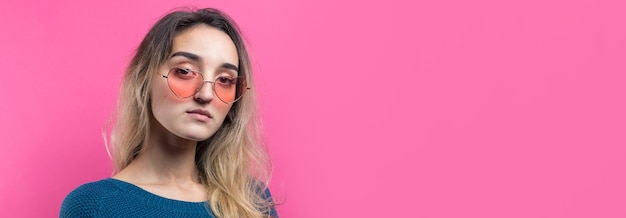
[[232, 164]]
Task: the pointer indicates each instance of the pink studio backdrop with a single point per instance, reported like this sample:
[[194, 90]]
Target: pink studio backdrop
[[372, 108]]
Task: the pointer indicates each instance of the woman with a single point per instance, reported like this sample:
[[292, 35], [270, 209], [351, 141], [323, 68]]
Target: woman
[[186, 139]]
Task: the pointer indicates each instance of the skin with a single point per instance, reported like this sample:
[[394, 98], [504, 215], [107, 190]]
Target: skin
[[166, 165]]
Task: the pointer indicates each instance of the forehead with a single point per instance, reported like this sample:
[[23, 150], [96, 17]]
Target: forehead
[[210, 44]]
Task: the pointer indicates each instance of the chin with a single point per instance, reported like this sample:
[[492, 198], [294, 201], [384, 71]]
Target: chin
[[198, 136]]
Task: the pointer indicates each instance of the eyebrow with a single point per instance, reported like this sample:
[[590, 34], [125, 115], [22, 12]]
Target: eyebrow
[[230, 66], [196, 58], [193, 57]]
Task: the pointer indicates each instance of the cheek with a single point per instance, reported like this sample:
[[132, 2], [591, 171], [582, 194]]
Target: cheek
[[162, 98], [161, 91], [158, 103], [222, 108]]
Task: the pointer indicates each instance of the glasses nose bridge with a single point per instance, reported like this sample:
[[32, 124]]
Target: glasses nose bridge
[[211, 86], [202, 82]]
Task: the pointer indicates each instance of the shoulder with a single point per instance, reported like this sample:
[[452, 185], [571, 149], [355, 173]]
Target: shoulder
[[268, 195], [84, 201], [265, 194]]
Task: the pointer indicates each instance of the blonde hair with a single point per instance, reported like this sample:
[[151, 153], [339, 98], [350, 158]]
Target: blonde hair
[[232, 164]]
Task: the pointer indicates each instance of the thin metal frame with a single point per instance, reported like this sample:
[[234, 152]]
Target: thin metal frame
[[203, 82]]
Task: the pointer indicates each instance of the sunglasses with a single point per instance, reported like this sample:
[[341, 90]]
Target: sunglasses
[[185, 83]]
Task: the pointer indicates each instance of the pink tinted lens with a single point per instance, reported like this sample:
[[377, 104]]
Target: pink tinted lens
[[226, 88], [184, 83]]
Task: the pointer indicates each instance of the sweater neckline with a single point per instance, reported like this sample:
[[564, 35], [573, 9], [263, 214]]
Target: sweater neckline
[[154, 199]]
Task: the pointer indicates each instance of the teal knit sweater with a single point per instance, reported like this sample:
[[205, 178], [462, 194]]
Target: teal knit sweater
[[115, 198]]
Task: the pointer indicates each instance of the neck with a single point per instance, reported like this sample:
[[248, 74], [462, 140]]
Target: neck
[[166, 159]]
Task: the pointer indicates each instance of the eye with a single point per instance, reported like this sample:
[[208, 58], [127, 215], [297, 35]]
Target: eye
[[226, 81], [183, 73]]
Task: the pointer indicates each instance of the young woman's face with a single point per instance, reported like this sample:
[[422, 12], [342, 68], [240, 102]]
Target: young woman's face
[[213, 54]]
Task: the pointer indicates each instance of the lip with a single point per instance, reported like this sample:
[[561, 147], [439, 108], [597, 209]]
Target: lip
[[200, 115]]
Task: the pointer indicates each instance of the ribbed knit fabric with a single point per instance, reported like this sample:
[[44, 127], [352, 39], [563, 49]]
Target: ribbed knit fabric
[[115, 198]]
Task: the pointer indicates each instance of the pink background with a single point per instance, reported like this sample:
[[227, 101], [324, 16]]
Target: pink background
[[372, 108]]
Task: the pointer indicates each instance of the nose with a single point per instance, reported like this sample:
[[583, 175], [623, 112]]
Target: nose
[[205, 94]]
